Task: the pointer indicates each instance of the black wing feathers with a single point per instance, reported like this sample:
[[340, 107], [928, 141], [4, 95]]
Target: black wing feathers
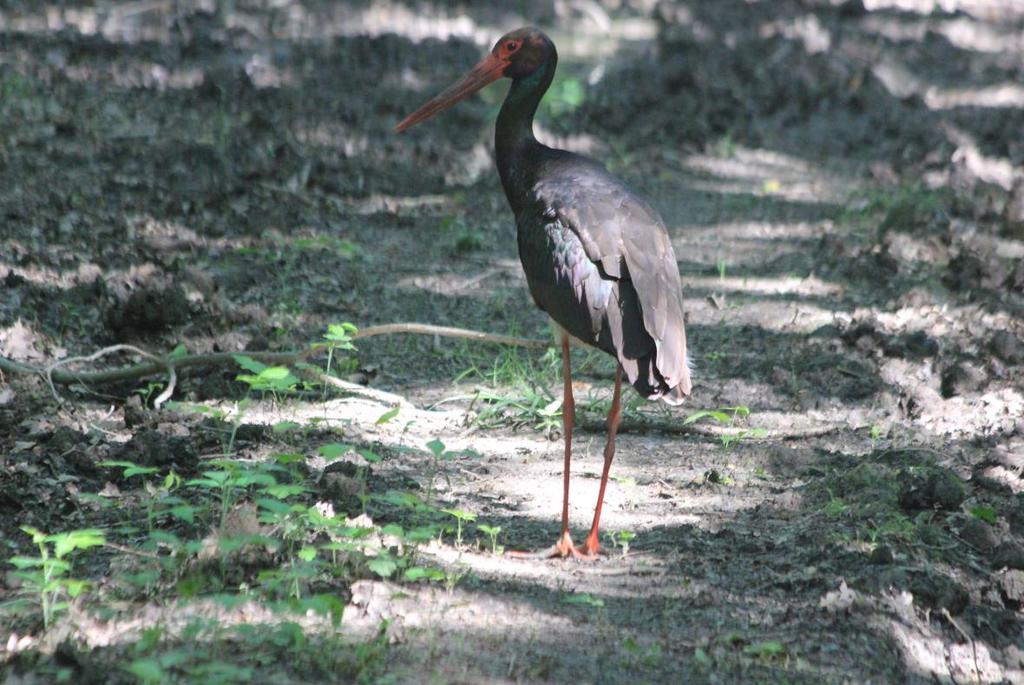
[[613, 249]]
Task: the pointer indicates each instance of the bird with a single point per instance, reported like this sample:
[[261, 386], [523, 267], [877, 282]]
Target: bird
[[596, 255]]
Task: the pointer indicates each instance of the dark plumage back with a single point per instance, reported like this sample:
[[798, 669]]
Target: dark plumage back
[[599, 261]]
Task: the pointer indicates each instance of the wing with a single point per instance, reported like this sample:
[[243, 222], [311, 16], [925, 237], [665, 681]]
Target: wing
[[623, 235]]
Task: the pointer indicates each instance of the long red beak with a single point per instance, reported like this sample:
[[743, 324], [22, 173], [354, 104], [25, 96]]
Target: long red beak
[[489, 70]]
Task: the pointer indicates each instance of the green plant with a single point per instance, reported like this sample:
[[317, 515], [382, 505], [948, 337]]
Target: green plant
[[583, 598], [45, 576], [263, 378], [727, 415], [876, 434], [835, 507], [531, 406], [630, 405], [440, 454], [338, 338], [768, 650], [452, 577], [620, 539], [646, 656], [492, 532], [461, 516], [219, 415], [723, 415], [230, 477], [729, 439], [156, 496]]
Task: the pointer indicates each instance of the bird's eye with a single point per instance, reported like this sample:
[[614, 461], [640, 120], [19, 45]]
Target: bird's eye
[[511, 46]]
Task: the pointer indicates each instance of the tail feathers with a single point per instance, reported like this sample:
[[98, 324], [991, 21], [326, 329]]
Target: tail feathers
[[648, 380], [677, 395]]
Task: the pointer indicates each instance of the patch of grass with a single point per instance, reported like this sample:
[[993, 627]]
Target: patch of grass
[[865, 502], [208, 651], [875, 211], [985, 513], [511, 367]]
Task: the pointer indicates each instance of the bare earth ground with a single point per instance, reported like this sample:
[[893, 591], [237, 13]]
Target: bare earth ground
[[843, 184]]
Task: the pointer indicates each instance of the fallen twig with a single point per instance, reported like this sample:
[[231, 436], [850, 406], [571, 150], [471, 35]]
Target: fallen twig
[[159, 400], [711, 431], [448, 332], [170, 365]]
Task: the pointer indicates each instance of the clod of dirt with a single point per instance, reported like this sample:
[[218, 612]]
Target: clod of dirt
[[81, 662], [151, 309], [916, 345], [69, 451], [931, 589], [882, 555], [252, 432], [930, 487], [341, 485], [152, 448], [867, 482], [983, 201], [135, 413], [867, 338], [979, 535], [1009, 555], [1014, 656], [1015, 281], [966, 271], [962, 378], [1011, 586], [972, 270], [1006, 346]]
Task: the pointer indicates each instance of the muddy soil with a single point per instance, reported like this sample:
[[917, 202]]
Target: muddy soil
[[844, 187]]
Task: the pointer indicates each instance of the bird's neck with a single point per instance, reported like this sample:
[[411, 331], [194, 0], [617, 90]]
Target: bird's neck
[[514, 143]]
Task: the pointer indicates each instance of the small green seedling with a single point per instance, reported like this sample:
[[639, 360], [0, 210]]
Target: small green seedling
[[461, 516], [230, 477], [766, 651], [722, 415], [45, 576], [339, 338], [452, 578], [876, 433], [620, 539], [156, 494], [415, 573], [492, 532], [585, 599], [440, 454]]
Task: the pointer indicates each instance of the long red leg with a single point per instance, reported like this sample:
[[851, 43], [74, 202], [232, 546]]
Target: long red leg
[[564, 546], [591, 545]]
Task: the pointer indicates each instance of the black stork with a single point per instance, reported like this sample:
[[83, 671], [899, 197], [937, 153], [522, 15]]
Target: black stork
[[597, 256]]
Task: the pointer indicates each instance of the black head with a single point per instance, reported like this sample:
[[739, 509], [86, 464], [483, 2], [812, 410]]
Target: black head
[[524, 50], [518, 54]]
